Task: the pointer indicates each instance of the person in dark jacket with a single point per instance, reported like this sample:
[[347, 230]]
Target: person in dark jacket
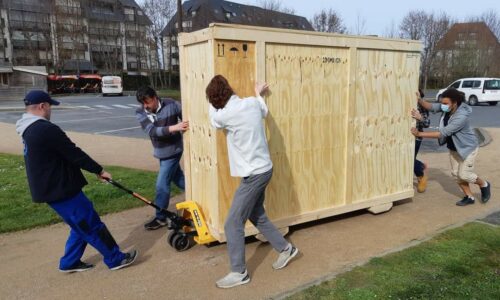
[[53, 167], [161, 120], [421, 115]]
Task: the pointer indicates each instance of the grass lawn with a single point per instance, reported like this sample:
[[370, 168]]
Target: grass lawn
[[175, 94], [18, 212], [462, 263]]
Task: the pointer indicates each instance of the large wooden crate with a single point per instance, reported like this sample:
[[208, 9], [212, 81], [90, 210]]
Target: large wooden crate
[[338, 126]]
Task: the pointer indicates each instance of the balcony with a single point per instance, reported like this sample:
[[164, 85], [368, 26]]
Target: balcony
[[74, 46], [134, 66], [4, 63], [104, 32], [29, 26], [13, 5], [68, 10], [76, 29], [25, 45], [131, 50]]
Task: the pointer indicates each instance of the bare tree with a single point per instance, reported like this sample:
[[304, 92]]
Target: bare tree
[[276, 5], [360, 25], [429, 28], [492, 20], [391, 31], [71, 28], [328, 21], [413, 25], [435, 28], [159, 12]]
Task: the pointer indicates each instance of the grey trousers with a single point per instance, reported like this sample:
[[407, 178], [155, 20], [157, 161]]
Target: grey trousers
[[248, 204]]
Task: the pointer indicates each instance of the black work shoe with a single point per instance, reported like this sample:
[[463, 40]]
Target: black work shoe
[[127, 261], [486, 193], [155, 224], [465, 201], [78, 267]]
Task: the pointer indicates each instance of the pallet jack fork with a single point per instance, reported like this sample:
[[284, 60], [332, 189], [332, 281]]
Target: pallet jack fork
[[186, 225]]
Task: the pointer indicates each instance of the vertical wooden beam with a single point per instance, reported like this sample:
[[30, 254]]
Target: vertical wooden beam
[[351, 109], [260, 59], [186, 115]]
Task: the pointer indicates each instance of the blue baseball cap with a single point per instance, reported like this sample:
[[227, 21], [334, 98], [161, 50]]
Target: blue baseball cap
[[37, 97]]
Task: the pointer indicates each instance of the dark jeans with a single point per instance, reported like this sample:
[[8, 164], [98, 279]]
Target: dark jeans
[[418, 167], [170, 171]]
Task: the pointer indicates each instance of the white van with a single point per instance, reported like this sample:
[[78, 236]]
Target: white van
[[112, 85], [476, 90]]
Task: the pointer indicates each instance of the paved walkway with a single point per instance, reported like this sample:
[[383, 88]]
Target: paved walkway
[[29, 259]]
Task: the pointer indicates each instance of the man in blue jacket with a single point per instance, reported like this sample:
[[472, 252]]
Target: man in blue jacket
[[161, 120], [53, 167]]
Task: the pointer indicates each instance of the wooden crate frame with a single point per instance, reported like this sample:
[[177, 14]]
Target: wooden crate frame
[[359, 88]]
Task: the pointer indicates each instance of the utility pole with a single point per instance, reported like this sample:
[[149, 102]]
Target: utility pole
[[179, 15]]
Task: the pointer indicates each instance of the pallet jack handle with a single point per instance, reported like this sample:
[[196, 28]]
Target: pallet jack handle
[[170, 214]]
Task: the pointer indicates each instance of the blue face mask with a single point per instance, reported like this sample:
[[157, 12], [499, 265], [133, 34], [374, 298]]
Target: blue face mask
[[445, 108]]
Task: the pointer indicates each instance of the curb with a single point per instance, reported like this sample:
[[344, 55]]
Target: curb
[[483, 136]]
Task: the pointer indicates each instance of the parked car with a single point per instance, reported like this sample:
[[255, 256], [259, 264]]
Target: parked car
[[112, 85], [476, 90]]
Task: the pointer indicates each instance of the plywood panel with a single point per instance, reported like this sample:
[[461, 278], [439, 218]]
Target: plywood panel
[[383, 147], [306, 127], [338, 128], [236, 62], [200, 141]]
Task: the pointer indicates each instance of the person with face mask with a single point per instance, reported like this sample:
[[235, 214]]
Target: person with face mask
[[161, 120], [457, 134]]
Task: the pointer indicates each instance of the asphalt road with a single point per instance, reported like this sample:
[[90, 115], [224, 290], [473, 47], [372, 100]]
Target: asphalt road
[[91, 114], [115, 116]]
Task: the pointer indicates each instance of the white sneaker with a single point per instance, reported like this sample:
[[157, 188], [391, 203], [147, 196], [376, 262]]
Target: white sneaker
[[233, 279], [285, 257]]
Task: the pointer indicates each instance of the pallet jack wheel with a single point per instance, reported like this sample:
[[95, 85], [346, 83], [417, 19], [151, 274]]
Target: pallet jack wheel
[[180, 242], [170, 237]]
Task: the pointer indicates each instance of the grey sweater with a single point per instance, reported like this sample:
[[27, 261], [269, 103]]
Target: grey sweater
[[165, 144], [458, 129]]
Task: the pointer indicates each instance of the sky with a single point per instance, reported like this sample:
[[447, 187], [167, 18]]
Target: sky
[[380, 14]]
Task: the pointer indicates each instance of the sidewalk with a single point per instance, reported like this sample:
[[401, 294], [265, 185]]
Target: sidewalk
[[29, 259], [106, 150]]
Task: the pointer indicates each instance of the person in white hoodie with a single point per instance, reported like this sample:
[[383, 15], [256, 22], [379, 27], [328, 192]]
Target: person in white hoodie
[[249, 158]]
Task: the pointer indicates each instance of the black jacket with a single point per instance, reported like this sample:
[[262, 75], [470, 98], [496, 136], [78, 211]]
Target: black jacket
[[53, 163]]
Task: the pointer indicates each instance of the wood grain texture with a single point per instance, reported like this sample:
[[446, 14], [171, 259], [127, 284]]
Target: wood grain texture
[[338, 127], [200, 143], [382, 146], [306, 127], [236, 62]]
